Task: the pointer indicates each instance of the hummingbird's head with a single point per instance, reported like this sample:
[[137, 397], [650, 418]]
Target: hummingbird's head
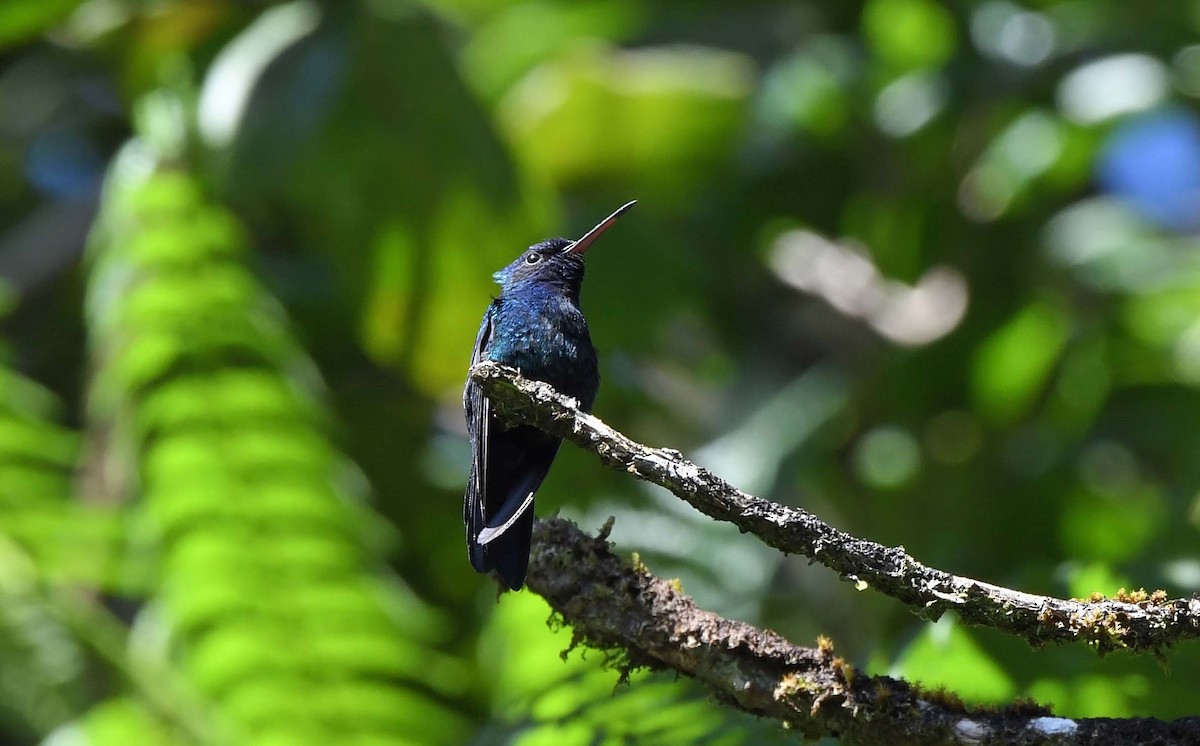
[[544, 262], [555, 261]]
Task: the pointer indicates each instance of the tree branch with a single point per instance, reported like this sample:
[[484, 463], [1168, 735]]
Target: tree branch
[[1148, 624], [647, 621]]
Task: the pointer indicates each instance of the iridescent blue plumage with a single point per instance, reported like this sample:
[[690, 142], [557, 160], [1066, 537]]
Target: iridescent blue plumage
[[536, 326]]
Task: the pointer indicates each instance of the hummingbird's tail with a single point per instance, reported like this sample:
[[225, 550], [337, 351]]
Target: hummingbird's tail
[[507, 553], [507, 470]]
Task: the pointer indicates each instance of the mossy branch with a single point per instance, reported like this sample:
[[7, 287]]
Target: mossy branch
[[645, 621], [1134, 623]]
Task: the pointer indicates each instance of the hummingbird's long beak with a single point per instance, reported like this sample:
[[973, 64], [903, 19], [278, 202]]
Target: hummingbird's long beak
[[580, 246]]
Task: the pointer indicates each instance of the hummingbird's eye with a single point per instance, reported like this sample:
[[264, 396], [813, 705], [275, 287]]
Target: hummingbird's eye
[[533, 257]]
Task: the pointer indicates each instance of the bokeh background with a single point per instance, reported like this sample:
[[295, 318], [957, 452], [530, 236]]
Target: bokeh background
[[931, 270]]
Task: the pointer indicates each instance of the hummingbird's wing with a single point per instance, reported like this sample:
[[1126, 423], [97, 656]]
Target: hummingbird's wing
[[479, 415], [507, 467]]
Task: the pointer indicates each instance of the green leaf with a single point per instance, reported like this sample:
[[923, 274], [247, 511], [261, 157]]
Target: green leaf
[[553, 698], [404, 253], [517, 38], [910, 34], [1093, 696], [264, 586], [1095, 577], [681, 110], [946, 654], [1112, 525], [806, 91], [1012, 365], [22, 19], [122, 721]]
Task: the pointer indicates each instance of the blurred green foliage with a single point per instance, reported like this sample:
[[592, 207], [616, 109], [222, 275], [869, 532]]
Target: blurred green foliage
[[927, 269]]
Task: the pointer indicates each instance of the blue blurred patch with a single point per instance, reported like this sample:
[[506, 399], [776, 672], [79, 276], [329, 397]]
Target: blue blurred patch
[[64, 163], [1152, 162]]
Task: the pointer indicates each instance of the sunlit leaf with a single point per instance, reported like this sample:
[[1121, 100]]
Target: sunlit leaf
[[265, 586], [21, 19], [550, 698], [910, 33], [518, 37], [1012, 365], [806, 91], [683, 107], [946, 654], [120, 721], [1111, 526], [1095, 577], [1097, 696]]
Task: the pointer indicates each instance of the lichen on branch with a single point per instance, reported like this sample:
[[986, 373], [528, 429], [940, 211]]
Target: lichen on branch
[[646, 621], [1143, 623]]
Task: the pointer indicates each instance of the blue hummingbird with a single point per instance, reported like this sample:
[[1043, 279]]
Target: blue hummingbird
[[535, 325]]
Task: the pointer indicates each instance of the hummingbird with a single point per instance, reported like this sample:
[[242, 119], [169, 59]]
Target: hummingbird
[[536, 326]]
